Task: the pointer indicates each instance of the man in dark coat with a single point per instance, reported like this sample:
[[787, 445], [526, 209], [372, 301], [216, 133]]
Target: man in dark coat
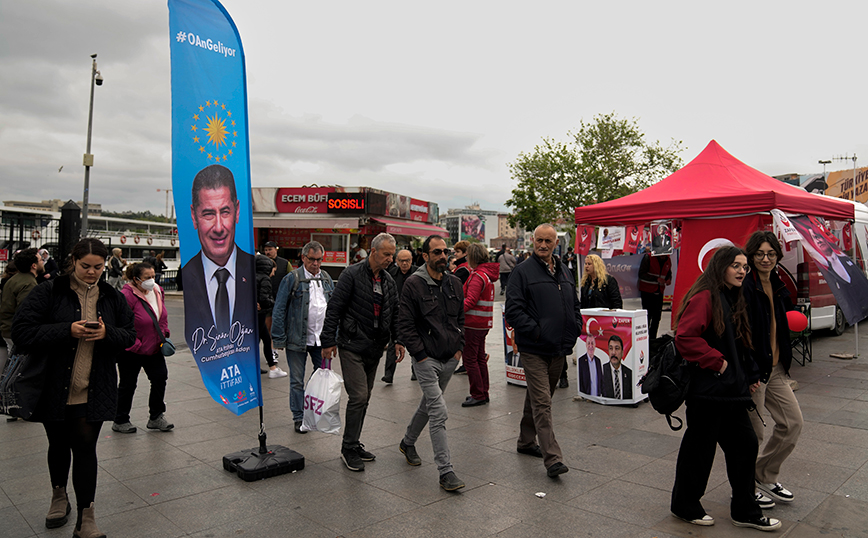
[[360, 323]]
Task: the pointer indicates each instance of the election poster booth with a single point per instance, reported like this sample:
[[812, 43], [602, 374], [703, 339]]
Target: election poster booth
[[713, 200], [612, 355]]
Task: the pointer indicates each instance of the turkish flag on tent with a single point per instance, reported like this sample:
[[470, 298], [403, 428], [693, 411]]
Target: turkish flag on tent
[[633, 238], [584, 240], [706, 236], [847, 236]]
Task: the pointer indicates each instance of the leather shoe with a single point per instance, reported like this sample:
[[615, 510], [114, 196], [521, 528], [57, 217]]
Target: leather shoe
[[556, 469], [471, 402], [386, 379], [530, 451], [298, 427], [564, 383]]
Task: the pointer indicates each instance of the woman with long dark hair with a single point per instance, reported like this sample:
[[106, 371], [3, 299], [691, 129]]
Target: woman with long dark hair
[[79, 326], [713, 334], [147, 301], [768, 302]]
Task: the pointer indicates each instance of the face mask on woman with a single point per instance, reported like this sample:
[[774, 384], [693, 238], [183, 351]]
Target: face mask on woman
[[149, 284]]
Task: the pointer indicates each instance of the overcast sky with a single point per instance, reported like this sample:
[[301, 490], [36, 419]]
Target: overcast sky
[[430, 100]]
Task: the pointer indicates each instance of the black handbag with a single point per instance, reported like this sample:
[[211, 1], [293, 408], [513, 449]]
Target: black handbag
[[167, 348], [21, 385]]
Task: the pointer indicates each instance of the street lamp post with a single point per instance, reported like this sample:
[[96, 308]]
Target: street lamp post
[[95, 80]]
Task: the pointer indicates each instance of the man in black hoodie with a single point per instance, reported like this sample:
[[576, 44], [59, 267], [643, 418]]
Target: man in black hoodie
[[543, 308], [431, 327]]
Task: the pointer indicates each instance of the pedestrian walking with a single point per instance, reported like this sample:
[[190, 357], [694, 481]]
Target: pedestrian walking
[[147, 301], [478, 320]]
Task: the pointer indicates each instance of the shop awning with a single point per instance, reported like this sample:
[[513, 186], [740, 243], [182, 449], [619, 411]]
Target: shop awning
[[323, 223], [409, 227]]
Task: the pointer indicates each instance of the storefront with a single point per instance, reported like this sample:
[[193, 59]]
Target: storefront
[[342, 219]]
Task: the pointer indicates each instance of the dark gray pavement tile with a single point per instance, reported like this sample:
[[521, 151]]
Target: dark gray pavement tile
[[169, 485], [813, 475], [14, 525], [840, 516], [609, 462], [856, 487], [212, 508], [644, 443], [166, 458], [272, 521], [639, 505], [835, 434], [832, 453]]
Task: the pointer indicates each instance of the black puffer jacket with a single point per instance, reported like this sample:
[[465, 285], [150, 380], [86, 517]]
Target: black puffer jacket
[[759, 310], [349, 320], [543, 308], [425, 328], [607, 297], [42, 328], [264, 296]]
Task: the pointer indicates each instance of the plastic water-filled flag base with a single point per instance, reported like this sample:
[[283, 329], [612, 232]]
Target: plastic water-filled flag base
[[262, 462]]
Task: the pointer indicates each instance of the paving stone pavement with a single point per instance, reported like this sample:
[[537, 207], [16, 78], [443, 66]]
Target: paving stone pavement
[[621, 459]]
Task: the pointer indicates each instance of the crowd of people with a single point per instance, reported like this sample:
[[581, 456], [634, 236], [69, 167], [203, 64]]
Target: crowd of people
[[96, 334]]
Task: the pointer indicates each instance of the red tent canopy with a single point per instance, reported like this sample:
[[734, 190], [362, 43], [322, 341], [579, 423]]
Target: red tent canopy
[[713, 184]]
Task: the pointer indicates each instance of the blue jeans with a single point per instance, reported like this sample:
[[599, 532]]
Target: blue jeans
[[433, 377], [295, 360]]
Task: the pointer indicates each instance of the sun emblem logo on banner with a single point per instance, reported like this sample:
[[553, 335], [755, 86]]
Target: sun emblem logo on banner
[[214, 131]]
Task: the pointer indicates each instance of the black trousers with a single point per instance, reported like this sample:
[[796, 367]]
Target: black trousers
[[265, 336], [129, 367], [653, 303], [709, 425]]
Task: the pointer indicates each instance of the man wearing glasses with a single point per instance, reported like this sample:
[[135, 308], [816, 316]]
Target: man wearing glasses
[[298, 317], [431, 326]]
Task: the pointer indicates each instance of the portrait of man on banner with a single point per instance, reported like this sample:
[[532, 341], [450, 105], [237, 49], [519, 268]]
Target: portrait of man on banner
[[661, 238], [220, 271], [847, 282]]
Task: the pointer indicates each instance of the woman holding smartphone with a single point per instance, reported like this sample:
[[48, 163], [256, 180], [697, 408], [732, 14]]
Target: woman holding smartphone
[[78, 326]]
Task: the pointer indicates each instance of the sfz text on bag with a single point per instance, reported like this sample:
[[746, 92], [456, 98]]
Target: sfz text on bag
[[667, 379]]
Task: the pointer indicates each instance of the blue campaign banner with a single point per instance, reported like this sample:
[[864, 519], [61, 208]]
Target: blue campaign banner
[[211, 177]]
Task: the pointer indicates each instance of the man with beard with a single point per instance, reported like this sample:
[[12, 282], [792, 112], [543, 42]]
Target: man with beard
[[30, 266], [617, 378], [430, 325]]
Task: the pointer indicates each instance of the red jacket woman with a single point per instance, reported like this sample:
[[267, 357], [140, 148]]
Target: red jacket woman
[[478, 319]]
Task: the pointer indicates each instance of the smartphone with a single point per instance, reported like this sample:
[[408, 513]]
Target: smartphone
[[92, 325]]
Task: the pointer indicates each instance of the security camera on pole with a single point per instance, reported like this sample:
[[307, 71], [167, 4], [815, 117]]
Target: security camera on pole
[[95, 78]]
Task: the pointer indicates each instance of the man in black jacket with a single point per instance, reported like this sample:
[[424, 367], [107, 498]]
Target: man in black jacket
[[430, 325], [283, 268], [360, 320], [543, 308], [401, 271]]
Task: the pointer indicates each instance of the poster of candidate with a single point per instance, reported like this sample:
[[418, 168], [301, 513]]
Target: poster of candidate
[[211, 187], [514, 369], [847, 282], [612, 355]]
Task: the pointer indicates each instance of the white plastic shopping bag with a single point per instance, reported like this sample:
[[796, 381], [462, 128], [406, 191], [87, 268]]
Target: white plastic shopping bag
[[322, 402]]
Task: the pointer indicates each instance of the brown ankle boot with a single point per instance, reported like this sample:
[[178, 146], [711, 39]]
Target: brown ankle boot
[[58, 512], [86, 526]]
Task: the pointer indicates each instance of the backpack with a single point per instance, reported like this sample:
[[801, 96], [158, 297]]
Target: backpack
[[667, 380]]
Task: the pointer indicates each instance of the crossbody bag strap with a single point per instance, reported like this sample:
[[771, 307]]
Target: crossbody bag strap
[[153, 318]]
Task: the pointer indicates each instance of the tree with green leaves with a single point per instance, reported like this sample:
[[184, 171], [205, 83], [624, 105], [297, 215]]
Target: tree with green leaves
[[606, 159]]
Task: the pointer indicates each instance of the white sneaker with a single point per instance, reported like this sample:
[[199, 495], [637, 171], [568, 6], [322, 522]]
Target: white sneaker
[[277, 372], [776, 491]]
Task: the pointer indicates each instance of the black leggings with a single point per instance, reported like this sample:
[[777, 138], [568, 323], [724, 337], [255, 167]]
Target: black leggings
[[73, 438]]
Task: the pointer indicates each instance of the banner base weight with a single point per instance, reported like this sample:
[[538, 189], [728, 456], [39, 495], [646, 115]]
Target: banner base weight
[[252, 464]]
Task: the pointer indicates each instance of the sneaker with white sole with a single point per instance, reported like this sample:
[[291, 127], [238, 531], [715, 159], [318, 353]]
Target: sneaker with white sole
[[160, 423], [776, 491], [764, 502], [704, 521], [126, 427], [276, 373], [762, 523]]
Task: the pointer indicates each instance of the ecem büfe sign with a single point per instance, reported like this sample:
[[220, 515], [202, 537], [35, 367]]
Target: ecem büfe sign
[[303, 200], [346, 202]]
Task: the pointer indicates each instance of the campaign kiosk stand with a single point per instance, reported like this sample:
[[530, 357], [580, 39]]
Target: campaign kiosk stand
[[617, 341], [514, 369]]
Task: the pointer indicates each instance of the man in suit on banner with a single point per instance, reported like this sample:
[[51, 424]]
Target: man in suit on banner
[[218, 279], [617, 378], [590, 370]]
